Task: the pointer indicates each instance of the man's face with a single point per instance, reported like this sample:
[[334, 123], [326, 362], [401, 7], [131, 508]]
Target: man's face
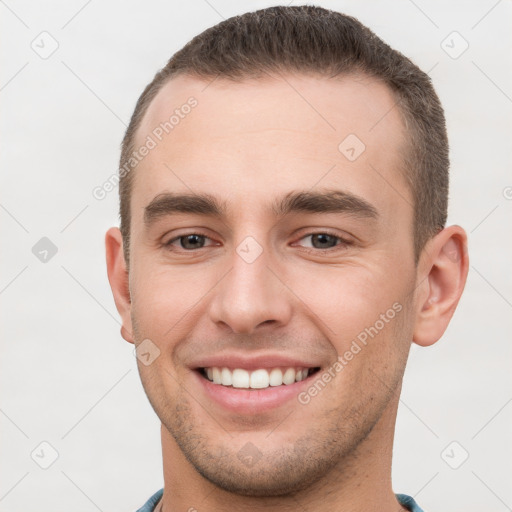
[[270, 284]]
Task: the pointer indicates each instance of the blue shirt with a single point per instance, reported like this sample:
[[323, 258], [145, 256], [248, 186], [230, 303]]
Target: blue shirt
[[403, 499]]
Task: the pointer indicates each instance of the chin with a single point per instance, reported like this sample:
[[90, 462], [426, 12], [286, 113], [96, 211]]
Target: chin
[[271, 479]]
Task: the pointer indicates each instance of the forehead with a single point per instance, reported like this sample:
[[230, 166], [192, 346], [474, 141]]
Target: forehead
[[272, 134], [328, 105]]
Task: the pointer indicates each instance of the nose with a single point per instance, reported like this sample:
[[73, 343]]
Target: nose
[[250, 296]]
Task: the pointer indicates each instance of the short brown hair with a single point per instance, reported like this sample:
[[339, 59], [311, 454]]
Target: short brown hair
[[311, 39]]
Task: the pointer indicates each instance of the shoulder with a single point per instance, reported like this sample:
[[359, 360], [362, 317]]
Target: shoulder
[[408, 502], [149, 506]]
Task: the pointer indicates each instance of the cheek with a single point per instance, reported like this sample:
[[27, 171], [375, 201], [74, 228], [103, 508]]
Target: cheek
[[362, 312], [348, 299], [165, 298], [346, 302]]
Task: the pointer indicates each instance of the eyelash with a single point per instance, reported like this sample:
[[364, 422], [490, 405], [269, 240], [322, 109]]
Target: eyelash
[[341, 242]]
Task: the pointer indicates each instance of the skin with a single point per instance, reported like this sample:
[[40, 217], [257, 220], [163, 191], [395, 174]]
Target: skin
[[248, 144]]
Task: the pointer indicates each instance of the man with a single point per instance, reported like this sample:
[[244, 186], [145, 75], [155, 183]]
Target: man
[[283, 193]]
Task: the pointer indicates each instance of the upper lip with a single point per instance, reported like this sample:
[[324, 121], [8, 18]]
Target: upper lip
[[252, 362]]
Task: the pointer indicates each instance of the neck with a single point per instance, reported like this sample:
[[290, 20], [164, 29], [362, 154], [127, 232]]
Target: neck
[[360, 482]]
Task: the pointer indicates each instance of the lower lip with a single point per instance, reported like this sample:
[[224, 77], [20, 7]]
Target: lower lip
[[251, 401]]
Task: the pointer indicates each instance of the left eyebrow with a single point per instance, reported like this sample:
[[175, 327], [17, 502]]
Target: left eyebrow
[[328, 201]]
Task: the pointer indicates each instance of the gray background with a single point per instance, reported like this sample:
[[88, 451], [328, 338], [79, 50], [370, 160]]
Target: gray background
[[67, 378]]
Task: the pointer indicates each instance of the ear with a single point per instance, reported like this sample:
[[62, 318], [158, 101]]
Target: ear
[[118, 279], [442, 273]]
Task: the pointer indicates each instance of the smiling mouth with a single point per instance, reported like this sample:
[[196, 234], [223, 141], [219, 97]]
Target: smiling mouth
[[256, 379]]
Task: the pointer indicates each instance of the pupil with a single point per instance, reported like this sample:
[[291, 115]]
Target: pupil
[[192, 241], [323, 239]]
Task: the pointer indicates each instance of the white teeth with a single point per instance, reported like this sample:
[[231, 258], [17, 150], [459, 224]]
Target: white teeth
[[217, 378], [289, 376], [226, 378], [276, 377], [240, 378], [257, 379]]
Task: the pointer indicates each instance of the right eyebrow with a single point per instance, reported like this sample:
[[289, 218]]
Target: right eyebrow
[[169, 203]]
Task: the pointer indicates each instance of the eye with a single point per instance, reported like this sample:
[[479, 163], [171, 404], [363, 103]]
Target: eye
[[318, 242], [189, 242], [323, 241]]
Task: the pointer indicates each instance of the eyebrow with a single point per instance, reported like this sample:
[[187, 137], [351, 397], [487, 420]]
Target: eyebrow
[[328, 201]]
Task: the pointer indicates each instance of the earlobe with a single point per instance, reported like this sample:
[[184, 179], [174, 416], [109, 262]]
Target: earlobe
[[118, 279], [443, 270]]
